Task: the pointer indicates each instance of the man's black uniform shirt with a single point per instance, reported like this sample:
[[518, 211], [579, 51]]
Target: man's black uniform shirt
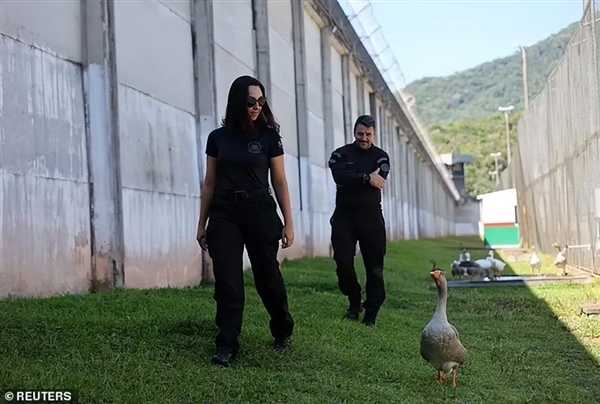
[[243, 160], [351, 166]]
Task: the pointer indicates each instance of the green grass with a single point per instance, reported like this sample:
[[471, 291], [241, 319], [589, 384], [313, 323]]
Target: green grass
[[155, 345]]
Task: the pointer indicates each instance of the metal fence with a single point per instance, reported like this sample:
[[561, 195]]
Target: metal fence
[[556, 168]]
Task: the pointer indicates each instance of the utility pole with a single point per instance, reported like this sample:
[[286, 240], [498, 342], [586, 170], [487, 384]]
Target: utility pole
[[506, 111], [495, 172], [525, 84]]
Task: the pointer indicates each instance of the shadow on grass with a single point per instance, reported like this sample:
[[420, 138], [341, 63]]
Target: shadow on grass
[[524, 337]]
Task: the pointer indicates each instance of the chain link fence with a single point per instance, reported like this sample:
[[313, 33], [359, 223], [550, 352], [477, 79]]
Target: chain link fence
[[556, 168]]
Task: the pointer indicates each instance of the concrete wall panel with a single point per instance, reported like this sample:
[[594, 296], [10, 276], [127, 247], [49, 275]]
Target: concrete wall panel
[[229, 69], [158, 145], [28, 21], [367, 91], [161, 248], [316, 145], [314, 92], [321, 234], [44, 236], [320, 186], [154, 53], [280, 18], [181, 8], [292, 171], [293, 177], [338, 122], [41, 114], [282, 66], [44, 206], [283, 97], [284, 109], [233, 30], [312, 34], [337, 100], [353, 97]]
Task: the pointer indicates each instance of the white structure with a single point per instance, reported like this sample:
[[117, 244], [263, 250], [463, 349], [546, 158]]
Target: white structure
[[499, 226]]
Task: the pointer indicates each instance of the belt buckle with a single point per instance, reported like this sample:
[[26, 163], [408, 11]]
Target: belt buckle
[[240, 195]]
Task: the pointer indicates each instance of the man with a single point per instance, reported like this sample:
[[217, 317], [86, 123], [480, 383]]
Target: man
[[359, 169]]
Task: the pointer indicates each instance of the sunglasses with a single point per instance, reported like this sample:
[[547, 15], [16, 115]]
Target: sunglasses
[[251, 102]]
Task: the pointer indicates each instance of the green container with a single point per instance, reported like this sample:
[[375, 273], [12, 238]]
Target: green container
[[502, 236]]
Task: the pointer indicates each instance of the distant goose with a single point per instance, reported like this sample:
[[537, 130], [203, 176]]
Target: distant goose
[[490, 267], [560, 261], [534, 262]]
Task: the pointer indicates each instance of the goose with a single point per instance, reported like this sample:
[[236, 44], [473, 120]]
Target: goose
[[465, 256], [440, 342], [458, 271], [560, 261], [534, 262], [463, 266], [491, 267]]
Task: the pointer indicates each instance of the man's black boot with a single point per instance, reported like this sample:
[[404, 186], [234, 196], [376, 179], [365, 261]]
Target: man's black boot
[[370, 317], [282, 344], [353, 312], [223, 357]]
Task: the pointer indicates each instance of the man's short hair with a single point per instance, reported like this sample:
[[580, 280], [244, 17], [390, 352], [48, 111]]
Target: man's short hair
[[365, 120]]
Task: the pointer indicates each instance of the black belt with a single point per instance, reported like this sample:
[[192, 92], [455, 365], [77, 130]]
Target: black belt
[[242, 194]]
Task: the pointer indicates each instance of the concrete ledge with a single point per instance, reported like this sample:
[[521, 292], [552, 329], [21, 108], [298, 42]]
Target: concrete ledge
[[522, 281], [591, 310]]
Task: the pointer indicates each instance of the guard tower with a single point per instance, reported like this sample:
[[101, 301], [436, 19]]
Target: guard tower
[[455, 163]]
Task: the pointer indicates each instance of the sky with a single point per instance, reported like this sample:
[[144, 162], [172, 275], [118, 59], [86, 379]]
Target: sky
[[441, 37]]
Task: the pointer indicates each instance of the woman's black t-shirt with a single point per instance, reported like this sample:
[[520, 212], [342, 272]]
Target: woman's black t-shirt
[[243, 161]]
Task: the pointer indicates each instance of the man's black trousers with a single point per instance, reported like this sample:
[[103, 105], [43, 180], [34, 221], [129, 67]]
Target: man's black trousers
[[366, 226], [253, 223]]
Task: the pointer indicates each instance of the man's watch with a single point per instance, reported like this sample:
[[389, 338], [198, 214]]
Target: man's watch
[[366, 178]]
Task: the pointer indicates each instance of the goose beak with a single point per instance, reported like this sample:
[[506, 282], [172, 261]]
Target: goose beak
[[437, 275]]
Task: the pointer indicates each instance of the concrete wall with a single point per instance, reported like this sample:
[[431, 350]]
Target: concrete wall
[[234, 46], [44, 205], [353, 94], [467, 218], [159, 174], [104, 116]]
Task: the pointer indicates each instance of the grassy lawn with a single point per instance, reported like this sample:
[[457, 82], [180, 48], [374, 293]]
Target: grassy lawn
[[154, 345]]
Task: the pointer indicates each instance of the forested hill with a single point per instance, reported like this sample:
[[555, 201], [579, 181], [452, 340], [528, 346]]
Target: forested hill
[[477, 92]]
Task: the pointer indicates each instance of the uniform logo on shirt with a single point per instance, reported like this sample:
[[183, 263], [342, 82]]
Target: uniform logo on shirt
[[254, 147]]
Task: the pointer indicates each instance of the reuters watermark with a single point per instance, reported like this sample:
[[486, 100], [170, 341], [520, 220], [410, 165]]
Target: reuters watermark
[[39, 396]]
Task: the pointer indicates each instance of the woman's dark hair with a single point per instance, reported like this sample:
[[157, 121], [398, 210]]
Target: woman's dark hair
[[236, 114]]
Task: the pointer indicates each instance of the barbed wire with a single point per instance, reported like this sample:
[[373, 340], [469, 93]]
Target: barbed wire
[[361, 15]]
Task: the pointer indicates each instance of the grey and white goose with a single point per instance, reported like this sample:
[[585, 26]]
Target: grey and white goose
[[440, 341]]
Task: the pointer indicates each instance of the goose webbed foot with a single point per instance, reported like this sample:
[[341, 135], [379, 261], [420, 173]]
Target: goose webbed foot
[[440, 377], [454, 377]]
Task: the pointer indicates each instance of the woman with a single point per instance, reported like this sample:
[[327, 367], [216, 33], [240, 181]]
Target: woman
[[237, 199]]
